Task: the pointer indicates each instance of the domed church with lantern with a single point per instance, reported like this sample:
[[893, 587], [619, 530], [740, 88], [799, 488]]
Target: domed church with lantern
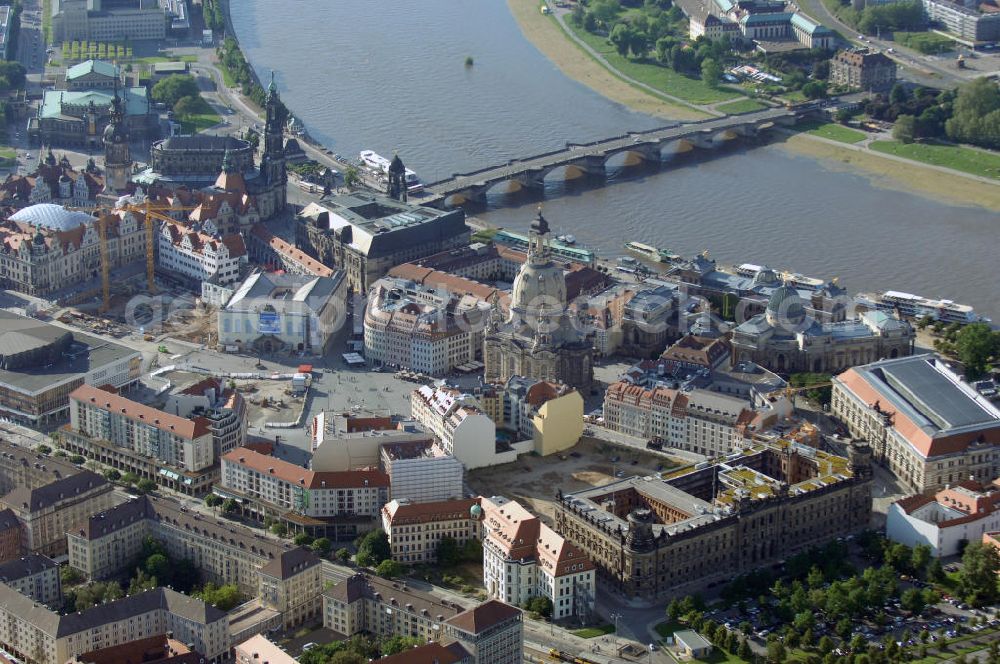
[[540, 337]]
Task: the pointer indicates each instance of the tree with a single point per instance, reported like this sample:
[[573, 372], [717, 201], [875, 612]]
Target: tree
[[920, 558], [141, 582], [825, 645], [191, 105], [397, 644], [373, 548], [744, 652], [814, 90], [229, 505], [912, 600], [213, 500], [447, 552], [69, 576], [322, 546], [343, 554], [539, 605], [711, 71], [77, 459], [808, 638], [899, 95], [158, 567], [278, 528], [43, 449], [775, 650], [975, 344], [905, 129], [975, 118], [223, 597], [112, 475], [804, 620], [978, 576], [622, 37], [351, 176], [303, 539], [172, 88], [145, 485], [389, 569], [129, 478]]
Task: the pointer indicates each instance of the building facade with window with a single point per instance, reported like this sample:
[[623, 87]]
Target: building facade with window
[[415, 530]]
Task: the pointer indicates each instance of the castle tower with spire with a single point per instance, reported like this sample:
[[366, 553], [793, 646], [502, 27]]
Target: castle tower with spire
[[117, 155], [397, 179]]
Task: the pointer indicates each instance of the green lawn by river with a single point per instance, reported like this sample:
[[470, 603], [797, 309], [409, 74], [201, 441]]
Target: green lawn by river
[[831, 130], [968, 160], [693, 90]]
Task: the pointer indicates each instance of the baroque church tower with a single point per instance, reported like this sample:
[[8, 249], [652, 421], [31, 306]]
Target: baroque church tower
[[272, 165]]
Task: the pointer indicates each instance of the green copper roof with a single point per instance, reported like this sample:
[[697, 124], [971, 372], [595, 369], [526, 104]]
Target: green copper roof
[[807, 25], [753, 19], [136, 101], [100, 66]]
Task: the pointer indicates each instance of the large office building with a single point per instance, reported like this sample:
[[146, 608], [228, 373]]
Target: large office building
[[538, 338], [285, 579], [335, 504], [425, 329], [656, 538], [47, 512], [524, 558], [928, 426], [420, 471], [365, 234], [46, 248], [186, 251], [415, 530], [41, 364], [178, 449], [964, 19], [272, 312], [787, 339], [108, 20]]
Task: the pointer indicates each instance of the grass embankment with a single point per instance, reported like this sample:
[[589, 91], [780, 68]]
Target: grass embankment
[[741, 106], [665, 79], [548, 37], [910, 177], [832, 131], [968, 160]]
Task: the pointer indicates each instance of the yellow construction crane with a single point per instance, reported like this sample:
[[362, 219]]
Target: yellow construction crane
[[150, 211]]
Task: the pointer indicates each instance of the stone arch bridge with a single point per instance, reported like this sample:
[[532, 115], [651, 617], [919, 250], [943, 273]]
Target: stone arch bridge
[[590, 159]]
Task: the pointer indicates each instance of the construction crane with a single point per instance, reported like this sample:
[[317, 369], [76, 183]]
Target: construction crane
[[150, 211]]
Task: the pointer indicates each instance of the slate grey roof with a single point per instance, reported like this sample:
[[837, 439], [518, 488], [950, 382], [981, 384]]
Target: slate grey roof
[[18, 568], [290, 563], [23, 498], [203, 142]]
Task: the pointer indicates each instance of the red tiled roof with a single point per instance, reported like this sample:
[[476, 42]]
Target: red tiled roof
[[186, 428], [294, 474], [483, 617]]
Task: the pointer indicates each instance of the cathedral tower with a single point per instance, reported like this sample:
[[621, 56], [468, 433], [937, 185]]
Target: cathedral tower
[[272, 166], [117, 156]]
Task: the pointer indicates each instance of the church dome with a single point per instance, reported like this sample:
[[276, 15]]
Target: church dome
[[765, 277], [785, 307], [51, 216], [537, 286]]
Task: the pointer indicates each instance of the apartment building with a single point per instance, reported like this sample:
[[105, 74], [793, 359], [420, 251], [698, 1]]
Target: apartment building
[[415, 530], [283, 577], [11, 536], [862, 69], [423, 328], [464, 430], [258, 650], [549, 414], [431, 653], [36, 635], [176, 449], [35, 576], [48, 511], [524, 558], [384, 608], [927, 425], [318, 501], [159, 649], [492, 632], [23, 467], [696, 420]]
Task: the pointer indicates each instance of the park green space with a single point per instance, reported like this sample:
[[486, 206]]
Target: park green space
[[968, 160], [196, 122], [741, 106], [924, 42], [831, 131], [594, 632], [664, 79]]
